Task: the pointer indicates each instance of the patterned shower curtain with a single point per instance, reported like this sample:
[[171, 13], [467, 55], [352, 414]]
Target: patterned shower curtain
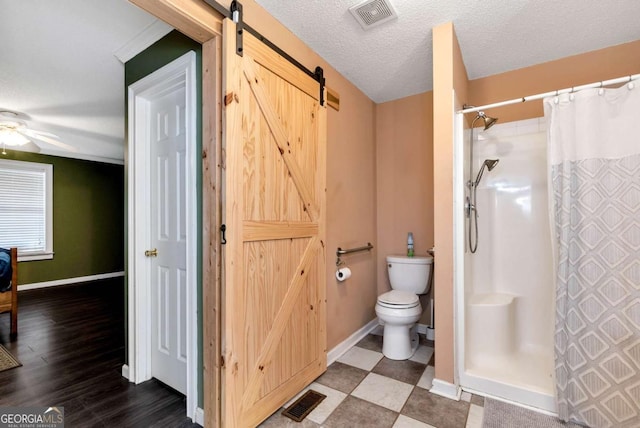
[[594, 162]]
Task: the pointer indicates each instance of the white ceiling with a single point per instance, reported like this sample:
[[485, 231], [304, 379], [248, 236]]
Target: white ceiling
[[394, 60], [58, 69], [58, 66]]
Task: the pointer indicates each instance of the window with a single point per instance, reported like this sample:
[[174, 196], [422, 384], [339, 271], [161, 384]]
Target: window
[[26, 200]]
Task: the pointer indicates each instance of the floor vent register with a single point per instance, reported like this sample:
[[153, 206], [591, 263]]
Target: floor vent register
[[304, 405]]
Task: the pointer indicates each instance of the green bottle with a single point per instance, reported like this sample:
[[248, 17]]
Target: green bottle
[[410, 245]]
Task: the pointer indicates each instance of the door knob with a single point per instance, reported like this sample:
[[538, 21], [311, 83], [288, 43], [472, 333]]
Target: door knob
[[151, 253]]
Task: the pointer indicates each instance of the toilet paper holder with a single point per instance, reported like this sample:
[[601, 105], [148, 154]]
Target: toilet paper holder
[[341, 252]]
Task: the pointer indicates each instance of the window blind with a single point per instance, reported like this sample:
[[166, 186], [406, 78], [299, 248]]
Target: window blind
[[24, 207]]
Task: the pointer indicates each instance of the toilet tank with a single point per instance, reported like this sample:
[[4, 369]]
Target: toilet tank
[[410, 273]]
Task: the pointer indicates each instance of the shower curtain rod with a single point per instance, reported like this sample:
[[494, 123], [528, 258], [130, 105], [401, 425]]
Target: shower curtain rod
[[624, 79]]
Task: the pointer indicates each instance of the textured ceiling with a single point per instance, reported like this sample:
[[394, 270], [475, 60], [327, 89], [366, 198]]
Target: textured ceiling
[[394, 60], [58, 69], [58, 65]]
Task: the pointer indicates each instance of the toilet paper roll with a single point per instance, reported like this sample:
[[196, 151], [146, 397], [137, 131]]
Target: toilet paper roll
[[343, 273]]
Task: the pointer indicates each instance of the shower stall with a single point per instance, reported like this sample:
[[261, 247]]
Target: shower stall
[[504, 290]]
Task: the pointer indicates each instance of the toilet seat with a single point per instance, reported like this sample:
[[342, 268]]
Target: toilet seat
[[398, 299]]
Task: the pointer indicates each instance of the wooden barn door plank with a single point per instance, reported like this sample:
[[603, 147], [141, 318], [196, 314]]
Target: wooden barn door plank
[[274, 326]]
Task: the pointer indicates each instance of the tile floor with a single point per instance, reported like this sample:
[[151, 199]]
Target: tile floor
[[365, 389]]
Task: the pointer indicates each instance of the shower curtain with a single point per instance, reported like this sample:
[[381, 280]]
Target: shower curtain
[[594, 165]]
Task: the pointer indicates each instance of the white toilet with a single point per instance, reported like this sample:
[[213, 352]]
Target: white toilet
[[399, 309]]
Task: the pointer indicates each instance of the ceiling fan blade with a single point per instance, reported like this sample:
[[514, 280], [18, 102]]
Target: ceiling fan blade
[[30, 147], [35, 133], [37, 136], [12, 115]]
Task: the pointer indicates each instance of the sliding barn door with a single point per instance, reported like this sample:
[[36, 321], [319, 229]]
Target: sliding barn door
[[274, 328]]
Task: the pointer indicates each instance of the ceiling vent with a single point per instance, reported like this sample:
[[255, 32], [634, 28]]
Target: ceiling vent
[[372, 13]]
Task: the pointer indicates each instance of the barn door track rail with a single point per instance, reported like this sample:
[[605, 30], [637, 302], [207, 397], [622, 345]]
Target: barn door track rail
[[235, 14]]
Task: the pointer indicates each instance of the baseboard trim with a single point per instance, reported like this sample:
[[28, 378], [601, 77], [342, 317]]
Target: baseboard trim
[[350, 341], [420, 328], [378, 330], [125, 371], [68, 281], [446, 389], [199, 416]]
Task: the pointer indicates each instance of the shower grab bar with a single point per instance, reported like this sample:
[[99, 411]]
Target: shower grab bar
[[354, 250], [340, 252]]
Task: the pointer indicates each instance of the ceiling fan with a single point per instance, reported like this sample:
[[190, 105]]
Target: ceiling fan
[[14, 132]]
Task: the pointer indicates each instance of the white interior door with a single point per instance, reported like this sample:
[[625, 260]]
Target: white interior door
[[162, 199], [168, 238]]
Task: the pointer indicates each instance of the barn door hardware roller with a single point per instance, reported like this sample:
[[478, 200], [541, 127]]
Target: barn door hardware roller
[[319, 76], [235, 14]]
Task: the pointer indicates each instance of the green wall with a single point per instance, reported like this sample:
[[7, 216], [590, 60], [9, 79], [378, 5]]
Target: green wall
[[88, 225], [161, 53]]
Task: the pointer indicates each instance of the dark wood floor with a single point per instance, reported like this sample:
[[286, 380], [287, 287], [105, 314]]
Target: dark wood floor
[[71, 346]]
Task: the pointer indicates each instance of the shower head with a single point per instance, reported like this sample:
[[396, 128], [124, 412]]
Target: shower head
[[491, 163], [488, 164], [488, 121]]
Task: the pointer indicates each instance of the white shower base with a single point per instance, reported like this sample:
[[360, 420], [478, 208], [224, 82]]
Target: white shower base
[[522, 367], [524, 377], [496, 364]]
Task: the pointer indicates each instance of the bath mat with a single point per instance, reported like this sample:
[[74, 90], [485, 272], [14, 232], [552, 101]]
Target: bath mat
[[502, 415], [7, 361]]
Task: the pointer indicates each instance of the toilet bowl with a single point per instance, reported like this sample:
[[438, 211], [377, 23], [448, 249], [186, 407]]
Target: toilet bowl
[[399, 309]]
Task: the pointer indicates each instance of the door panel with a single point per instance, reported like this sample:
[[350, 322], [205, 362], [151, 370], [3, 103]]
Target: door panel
[[168, 236], [274, 335]]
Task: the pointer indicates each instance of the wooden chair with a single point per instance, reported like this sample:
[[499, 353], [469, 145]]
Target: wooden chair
[[9, 299]]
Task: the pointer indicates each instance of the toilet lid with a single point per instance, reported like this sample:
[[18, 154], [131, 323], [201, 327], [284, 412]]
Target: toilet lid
[[398, 299]]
